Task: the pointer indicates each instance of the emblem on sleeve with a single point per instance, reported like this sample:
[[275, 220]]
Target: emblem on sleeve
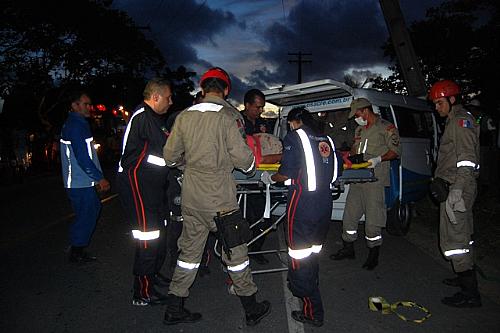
[[465, 123], [324, 149]]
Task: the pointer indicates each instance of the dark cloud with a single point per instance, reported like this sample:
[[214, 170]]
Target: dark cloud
[[177, 25], [253, 38], [339, 34]]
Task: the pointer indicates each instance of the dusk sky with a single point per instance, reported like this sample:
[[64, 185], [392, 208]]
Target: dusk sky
[[252, 39]]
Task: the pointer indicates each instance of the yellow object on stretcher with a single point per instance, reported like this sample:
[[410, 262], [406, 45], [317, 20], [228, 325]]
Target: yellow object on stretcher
[[268, 167], [363, 165], [275, 166]]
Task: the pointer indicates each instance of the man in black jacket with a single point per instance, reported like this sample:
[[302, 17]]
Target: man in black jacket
[[142, 178]]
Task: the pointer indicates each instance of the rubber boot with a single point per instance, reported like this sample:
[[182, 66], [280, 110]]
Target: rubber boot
[[469, 296], [254, 311], [176, 313], [346, 252], [372, 260]]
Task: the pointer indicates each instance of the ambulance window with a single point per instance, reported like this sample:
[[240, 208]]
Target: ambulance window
[[385, 113], [413, 123]]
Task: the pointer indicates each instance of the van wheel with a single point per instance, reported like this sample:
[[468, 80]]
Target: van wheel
[[399, 219]]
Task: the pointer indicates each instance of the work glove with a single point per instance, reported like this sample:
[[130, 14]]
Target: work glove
[[454, 203], [374, 161], [265, 177], [450, 213]]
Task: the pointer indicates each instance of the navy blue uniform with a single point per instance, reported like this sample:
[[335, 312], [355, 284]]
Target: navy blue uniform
[[311, 165], [142, 184]]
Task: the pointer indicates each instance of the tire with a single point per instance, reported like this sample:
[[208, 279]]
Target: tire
[[399, 219]]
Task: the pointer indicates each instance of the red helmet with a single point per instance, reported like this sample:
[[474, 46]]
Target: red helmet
[[443, 88], [217, 73]]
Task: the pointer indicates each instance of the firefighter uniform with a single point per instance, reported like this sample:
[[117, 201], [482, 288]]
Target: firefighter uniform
[[208, 139], [369, 198], [311, 165], [142, 178], [458, 164]]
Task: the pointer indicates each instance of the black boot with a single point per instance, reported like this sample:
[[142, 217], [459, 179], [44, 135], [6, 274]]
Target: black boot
[[372, 260], [145, 293], [346, 252], [176, 313], [254, 312], [469, 296], [79, 256], [453, 282]]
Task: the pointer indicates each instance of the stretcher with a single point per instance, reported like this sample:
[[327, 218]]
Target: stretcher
[[276, 198]]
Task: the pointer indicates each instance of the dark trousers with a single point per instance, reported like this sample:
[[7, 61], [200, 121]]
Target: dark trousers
[[308, 224], [142, 194], [303, 282], [87, 206]]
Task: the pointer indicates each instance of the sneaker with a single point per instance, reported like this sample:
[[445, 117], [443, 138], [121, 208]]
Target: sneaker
[[156, 299], [300, 316]]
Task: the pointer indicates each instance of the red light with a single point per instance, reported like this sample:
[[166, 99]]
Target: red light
[[101, 107], [115, 113]]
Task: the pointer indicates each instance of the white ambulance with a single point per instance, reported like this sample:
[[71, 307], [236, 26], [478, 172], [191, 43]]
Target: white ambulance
[[329, 100]]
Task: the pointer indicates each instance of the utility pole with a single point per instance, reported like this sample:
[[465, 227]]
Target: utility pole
[[404, 48], [299, 62]]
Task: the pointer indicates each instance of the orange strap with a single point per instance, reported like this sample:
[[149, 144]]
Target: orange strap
[[255, 146]]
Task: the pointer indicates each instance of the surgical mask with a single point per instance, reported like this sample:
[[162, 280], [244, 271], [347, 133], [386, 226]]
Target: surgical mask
[[361, 121]]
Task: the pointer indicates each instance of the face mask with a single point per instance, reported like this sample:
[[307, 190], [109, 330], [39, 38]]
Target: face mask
[[360, 121]]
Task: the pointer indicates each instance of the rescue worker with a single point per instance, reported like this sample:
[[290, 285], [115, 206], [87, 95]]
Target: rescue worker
[[378, 141], [174, 227], [82, 175], [254, 101], [458, 166], [208, 138], [309, 166], [142, 178]]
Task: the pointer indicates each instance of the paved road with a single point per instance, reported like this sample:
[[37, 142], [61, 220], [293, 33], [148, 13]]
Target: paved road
[[43, 293]]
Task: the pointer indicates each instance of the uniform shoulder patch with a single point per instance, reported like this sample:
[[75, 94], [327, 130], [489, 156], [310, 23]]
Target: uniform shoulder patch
[[465, 123], [324, 149]]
